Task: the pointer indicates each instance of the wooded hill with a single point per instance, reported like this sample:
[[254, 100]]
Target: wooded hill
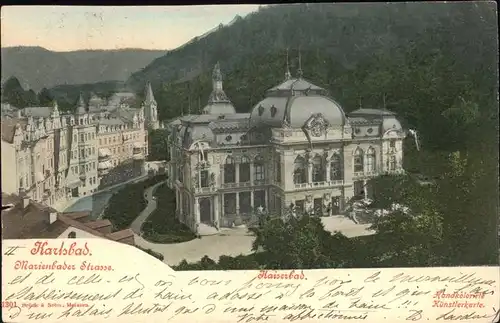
[[37, 67], [422, 59]]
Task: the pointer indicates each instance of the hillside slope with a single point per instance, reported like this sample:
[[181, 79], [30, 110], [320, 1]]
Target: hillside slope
[[37, 67], [422, 60], [347, 32]]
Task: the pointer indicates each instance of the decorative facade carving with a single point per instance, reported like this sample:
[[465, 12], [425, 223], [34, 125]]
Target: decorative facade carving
[[212, 180], [316, 125]]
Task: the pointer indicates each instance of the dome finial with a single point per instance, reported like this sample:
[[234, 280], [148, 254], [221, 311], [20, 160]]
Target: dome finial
[[299, 71], [288, 75]]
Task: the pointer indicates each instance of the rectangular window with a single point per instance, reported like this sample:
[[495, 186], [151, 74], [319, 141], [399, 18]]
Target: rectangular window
[[229, 173], [317, 173], [204, 182], [392, 143], [245, 204], [259, 199], [259, 172], [81, 137], [244, 172], [230, 204]]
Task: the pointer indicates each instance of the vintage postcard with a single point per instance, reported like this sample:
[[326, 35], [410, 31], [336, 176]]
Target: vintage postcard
[[248, 163]]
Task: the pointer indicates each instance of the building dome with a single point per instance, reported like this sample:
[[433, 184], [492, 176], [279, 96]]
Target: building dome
[[219, 108], [294, 102], [391, 123]]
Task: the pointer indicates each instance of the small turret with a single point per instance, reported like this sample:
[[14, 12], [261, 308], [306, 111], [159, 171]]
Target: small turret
[[80, 109], [218, 94]]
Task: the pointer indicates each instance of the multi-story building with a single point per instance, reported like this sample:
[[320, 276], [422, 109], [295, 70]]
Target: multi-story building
[[295, 151], [50, 156]]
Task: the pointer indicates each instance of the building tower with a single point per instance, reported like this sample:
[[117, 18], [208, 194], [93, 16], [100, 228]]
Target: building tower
[[150, 108]]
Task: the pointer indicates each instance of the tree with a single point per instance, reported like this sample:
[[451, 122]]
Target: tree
[[13, 93], [45, 98], [300, 243], [31, 98], [158, 145]]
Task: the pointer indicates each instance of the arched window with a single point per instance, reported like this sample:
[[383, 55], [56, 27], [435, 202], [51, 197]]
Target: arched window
[[260, 173], [318, 171], [370, 160], [335, 168], [244, 170], [299, 170], [72, 235], [392, 163], [229, 170], [358, 160]]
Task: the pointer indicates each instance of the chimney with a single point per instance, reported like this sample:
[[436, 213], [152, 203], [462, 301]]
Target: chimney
[[26, 202], [52, 217]]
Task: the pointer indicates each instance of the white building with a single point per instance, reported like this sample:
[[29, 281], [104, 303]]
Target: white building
[[296, 150], [50, 156]]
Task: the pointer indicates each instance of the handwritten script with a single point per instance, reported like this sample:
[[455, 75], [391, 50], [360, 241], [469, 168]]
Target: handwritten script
[[128, 288]]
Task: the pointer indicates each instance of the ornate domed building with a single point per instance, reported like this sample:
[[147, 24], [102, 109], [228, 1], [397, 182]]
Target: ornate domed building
[[296, 151]]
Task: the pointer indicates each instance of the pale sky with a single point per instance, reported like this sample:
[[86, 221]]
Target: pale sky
[[64, 28]]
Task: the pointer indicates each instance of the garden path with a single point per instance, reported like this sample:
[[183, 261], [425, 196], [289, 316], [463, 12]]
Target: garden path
[[150, 207]]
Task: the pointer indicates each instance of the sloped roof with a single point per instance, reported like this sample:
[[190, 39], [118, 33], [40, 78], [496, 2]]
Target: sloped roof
[[32, 222]]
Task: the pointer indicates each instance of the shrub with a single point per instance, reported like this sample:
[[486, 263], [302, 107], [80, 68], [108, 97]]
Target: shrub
[[162, 226]]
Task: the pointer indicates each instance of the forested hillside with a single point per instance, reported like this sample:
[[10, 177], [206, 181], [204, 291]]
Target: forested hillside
[[424, 58], [37, 67]]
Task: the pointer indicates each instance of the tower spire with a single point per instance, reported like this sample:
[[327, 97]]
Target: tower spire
[[148, 94], [288, 75], [299, 71], [80, 109]]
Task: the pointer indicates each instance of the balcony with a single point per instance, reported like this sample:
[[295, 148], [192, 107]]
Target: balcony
[[236, 185], [103, 168], [82, 177], [104, 154], [205, 189], [319, 184]]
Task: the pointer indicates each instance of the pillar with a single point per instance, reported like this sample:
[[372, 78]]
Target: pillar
[[197, 210], [266, 200], [252, 170], [216, 208], [237, 203], [365, 189], [251, 200], [180, 201], [222, 210], [237, 175], [327, 166], [309, 172]]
